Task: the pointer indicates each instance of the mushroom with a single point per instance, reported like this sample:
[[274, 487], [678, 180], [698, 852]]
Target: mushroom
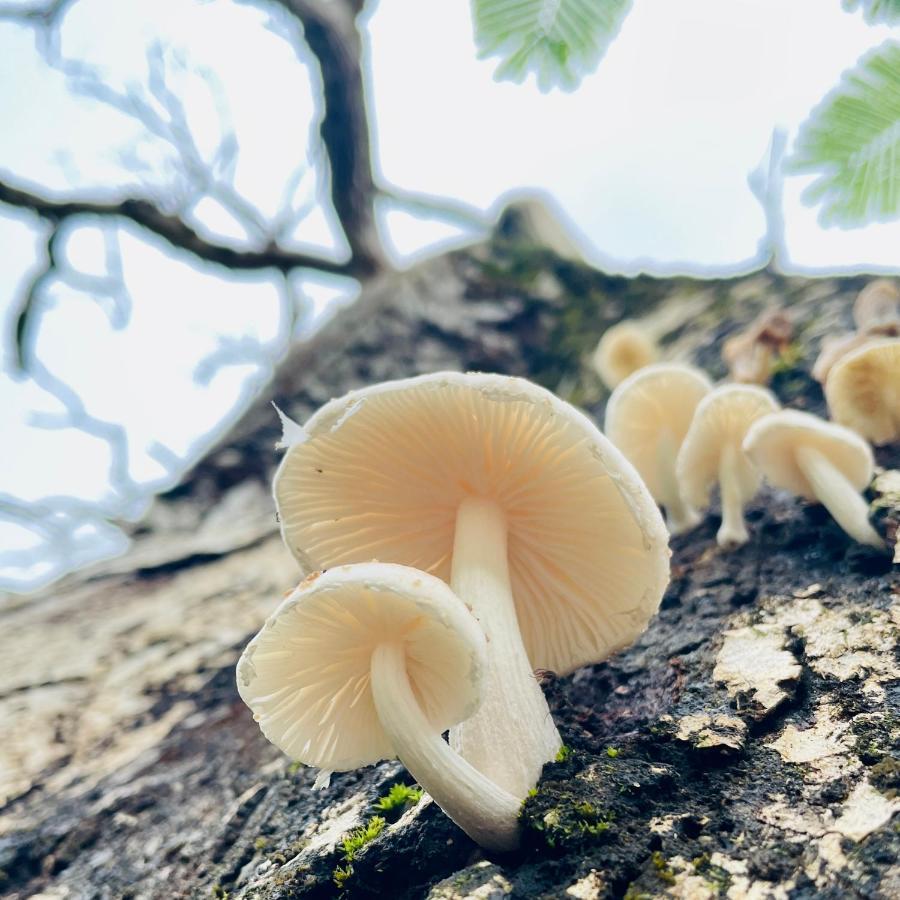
[[863, 390], [623, 349], [647, 418], [712, 452], [834, 348], [818, 460], [516, 500], [374, 661], [877, 308], [750, 354]]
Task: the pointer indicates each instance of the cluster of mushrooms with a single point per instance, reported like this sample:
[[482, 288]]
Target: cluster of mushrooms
[[461, 531], [684, 435]]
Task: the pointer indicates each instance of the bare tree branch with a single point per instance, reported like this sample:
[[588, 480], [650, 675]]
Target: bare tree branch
[[170, 228], [330, 32]]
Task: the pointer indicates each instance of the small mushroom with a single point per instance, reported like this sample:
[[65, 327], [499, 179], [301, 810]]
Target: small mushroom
[[863, 390], [623, 349], [877, 308], [751, 354], [834, 348], [712, 452], [647, 418], [818, 460], [375, 661], [511, 496]]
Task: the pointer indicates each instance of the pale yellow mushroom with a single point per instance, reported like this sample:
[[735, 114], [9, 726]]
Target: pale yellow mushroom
[[863, 390], [712, 453], [623, 349]]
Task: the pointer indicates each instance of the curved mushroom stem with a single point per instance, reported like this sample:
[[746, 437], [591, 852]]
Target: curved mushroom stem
[[512, 734], [733, 531], [680, 516], [487, 813], [838, 496]]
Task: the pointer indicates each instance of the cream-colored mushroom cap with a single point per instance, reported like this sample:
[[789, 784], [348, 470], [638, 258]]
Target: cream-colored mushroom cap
[[306, 675], [721, 420], [877, 305], [383, 471], [773, 440], [863, 390], [659, 399], [623, 349]]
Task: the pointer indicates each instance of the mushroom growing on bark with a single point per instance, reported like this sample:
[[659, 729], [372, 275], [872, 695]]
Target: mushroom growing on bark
[[647, 418], [750, 355], [877, 308], [820, 461], [374, 661], [623, 349], [863, 390], [712, 452], [517, 501]]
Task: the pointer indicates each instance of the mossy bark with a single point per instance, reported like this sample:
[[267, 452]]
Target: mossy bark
[[746, 746]]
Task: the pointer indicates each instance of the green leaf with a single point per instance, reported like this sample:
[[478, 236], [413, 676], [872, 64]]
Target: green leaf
[[560, 41], [852, 141], [876, 12]]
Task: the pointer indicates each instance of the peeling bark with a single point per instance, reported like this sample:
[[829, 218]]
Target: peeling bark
[[130, 767]]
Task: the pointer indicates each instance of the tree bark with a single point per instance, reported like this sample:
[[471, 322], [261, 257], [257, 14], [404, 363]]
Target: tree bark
[[744, 747]]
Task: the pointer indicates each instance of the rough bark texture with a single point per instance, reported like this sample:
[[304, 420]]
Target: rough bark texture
[[746, 746]]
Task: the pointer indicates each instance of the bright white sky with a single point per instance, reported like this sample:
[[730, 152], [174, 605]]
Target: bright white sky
[[649, 157]]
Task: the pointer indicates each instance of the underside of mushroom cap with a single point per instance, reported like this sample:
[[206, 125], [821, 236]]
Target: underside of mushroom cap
[[722, 419], [863, 390], [623, 349], [772, 442], [655, 401], [383, 471], [306, 675]]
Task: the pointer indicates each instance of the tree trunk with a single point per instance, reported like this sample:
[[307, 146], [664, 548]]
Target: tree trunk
[[744, 747]]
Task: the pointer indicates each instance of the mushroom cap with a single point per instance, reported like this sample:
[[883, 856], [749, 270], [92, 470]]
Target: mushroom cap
[[773, 439], [383, 471], [863, 390], [834, 348], [655, 401], [722, 419], [623, 349], [306, 675], [877, 305]]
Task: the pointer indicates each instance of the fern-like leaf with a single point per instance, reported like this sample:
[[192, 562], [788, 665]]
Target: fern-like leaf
[[560, 41], [852, 141], [876, 12]]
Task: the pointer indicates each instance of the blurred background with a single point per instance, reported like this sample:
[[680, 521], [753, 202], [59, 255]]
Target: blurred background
[[187, 188]]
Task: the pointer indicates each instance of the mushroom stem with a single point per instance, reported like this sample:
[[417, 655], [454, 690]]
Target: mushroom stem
[[733, 531], [487, 813], [512, 734], [838, 496], [680, 516]]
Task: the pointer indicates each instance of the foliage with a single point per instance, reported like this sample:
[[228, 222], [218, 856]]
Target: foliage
[[852, 141], [352, 843], [876, 12], [397, 799], [560, 41]]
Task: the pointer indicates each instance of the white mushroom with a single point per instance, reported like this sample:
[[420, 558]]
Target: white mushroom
[[647, 418], [863, 390], [712, 453], [513, 497], [623, 349], [371, 662], [818, 460]]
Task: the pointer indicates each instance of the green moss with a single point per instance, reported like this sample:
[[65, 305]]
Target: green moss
[[612, 752], [341, 875], [564, 754], [294, 768], [663, 869], [397, 800], [563, 828], [261, 843], [352, 843], [788, 359], [359, 837], [886, 776], [634, 894], [219, 892], [716, 877]]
